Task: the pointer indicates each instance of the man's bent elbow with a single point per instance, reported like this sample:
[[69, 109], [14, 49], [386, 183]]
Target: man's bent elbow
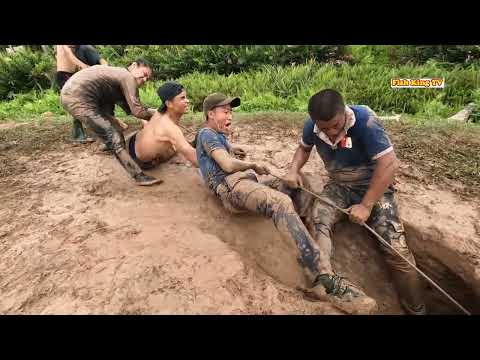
[[228, 168]]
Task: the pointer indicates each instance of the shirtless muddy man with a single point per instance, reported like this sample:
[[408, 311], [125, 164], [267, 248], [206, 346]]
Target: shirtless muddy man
[[161, 138]]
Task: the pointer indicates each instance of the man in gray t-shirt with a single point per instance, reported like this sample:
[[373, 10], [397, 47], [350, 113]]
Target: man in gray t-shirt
[[90, 96]]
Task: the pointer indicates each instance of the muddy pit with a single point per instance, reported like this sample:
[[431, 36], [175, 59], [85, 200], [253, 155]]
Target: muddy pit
[[77, 237]]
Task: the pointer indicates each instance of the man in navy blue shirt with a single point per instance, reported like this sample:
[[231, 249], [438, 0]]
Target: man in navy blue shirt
[[236, 185], [361, 164]]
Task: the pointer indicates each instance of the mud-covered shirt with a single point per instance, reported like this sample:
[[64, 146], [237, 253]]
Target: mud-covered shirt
[[351, 159], [207, 141], [101, 87]]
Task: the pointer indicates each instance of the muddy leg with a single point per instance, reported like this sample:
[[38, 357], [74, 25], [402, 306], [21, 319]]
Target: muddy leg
[[385, 220], [323, 218], [114, 140], [318, 217], [326, 285], [302, 200], [260, 199]]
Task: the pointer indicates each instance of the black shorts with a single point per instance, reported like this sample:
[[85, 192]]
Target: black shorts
[[62, 78], [133, 155]]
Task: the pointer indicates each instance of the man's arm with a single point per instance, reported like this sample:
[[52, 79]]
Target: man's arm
[[383, 176], [71, 56], [231, 165], [120, 123], [182, 145], [130, 92], [293, 178], [379, 148], [300, 158], [125, 107]]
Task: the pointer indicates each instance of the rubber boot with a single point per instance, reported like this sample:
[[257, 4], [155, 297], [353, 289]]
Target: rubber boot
[[134, 170], [78, 133]]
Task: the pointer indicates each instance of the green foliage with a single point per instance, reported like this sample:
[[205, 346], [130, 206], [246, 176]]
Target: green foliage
[[31, 68], [32, 103], [288, 88], [173, 61], [446, 55], [23, 71]]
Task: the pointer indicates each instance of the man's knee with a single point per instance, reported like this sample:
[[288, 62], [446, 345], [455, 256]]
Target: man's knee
[[285, 203], [322, 215], [394, 234], [111, 137], [270, 202]]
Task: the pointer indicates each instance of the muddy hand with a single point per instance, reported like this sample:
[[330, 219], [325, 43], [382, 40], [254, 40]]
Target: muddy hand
[[239, 153], [293, 180], [359, 213], [261, 170]]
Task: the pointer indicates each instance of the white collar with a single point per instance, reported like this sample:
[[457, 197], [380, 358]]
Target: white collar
[[350, 121]]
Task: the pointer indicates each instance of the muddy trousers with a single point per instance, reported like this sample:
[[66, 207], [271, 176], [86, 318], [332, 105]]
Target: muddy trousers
[[384, 219], [239, 194], [78, 133], [107, 130]]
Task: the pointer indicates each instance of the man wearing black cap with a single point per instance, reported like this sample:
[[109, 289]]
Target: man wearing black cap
[[236, 185], [161, 138]]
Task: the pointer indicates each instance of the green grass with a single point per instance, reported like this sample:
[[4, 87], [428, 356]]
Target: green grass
[[276, 88]]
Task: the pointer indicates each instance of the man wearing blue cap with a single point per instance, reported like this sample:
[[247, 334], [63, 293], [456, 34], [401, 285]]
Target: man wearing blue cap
[[161, 138]]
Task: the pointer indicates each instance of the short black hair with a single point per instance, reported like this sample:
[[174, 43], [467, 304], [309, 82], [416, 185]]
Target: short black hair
[[142, 62], [324, 105], [162, 109]]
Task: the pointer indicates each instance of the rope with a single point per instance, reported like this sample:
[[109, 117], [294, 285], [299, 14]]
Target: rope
[[383, 241]]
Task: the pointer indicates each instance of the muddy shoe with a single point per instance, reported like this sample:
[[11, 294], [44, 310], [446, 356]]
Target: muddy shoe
[[104, 148], [344, 295], [87, 140], [414, 310], [146, 180]]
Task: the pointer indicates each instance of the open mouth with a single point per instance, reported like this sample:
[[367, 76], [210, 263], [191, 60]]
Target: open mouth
[[227, 125]]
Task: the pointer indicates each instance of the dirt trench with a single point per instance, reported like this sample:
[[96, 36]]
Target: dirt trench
[[76, 236], [356, 255]]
